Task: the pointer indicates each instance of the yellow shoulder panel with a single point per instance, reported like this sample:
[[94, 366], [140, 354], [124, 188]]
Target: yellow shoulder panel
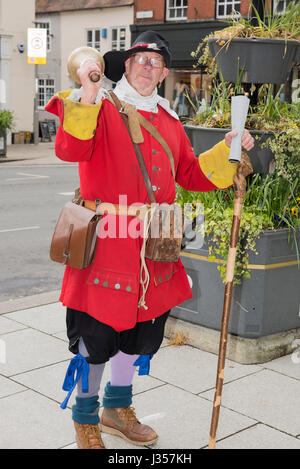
[[80, 120], [63, 94], [215, 164]]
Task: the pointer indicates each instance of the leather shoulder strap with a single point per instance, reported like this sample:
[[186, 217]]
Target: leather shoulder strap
[[154, 132], [140, 120], [137, 150]]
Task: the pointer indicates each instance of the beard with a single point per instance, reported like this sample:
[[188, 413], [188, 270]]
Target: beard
[[141, 84]]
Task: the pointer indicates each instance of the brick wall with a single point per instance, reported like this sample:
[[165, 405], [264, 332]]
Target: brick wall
[[201, 9], [157, 6], [197, 9]]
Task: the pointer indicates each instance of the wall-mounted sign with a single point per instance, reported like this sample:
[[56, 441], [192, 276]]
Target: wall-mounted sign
[[37, 46], [144, 14]]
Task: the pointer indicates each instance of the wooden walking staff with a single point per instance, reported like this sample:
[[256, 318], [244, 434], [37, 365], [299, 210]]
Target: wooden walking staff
[[239, 180], [240, 105]]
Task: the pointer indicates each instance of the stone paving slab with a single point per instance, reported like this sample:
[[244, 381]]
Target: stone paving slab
[[260, 403], [47, 318], [29, 349], [194, 370], [259, 437], [268, 396], [288, 365], [49, 379], [181, 419], [31, 421], [8, 387], [7, 325]]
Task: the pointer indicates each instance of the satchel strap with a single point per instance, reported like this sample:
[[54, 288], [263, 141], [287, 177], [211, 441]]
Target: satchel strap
[[154, 132], [135, 121], [137, 151]]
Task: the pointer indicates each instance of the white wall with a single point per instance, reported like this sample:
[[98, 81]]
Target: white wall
[[15, 17], [73, 31]]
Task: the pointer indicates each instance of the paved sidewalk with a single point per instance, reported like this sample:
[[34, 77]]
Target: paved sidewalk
[[260, 405], [30, 154]]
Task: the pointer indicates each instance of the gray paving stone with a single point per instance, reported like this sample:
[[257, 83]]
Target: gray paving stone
[[35, 422], [61, 335], [6, 325], [47, 318], [48, 382], [259, 437], [181, 419], [288, 365], [192, 369], [29, 349], [268, 397], [8, 387]]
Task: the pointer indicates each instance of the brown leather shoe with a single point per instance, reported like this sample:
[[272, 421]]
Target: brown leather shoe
[[122, 421], [88, 436]]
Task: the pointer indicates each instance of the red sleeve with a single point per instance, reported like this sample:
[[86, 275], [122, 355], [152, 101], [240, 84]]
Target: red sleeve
[[189, 175]]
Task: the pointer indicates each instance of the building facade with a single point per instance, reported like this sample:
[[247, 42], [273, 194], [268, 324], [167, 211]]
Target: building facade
[[17, 84], [102, 24], [184, 23]]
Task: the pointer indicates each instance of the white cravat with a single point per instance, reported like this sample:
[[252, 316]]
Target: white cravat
[[125, 92]]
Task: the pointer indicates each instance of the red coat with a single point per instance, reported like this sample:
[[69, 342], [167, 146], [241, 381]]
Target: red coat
[[109, 289]]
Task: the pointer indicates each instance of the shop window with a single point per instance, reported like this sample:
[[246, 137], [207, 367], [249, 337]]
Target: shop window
[[45, 26], [45, 91], [93, 38], [118, 38], [176, 10], [224, 8], [185, 89], [280, 6]]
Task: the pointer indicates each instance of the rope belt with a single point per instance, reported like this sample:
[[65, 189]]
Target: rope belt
[[144, 213]]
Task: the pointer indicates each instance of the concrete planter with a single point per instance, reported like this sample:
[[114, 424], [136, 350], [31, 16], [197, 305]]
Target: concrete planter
[[3, 144], [265, 304], [297, 56], [261, 60], [203, 138]]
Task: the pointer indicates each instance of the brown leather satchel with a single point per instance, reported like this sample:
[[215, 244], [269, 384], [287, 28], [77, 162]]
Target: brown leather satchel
[[165, 234], [167, 219], [75, 236]]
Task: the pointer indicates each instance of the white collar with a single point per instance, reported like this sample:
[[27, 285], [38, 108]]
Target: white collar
[[125, 92]]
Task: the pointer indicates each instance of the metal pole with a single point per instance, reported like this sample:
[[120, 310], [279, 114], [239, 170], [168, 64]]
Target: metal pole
[[35, 110]]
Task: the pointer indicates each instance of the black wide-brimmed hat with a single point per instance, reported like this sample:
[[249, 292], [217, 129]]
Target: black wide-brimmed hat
[[147, 41]]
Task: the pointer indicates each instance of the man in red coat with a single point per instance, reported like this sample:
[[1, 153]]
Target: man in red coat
[[111, 313]]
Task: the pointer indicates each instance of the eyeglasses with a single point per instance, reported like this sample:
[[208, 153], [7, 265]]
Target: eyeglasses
[[144, 60]]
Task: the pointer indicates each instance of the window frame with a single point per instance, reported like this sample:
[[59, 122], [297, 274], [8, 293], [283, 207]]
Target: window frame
[[118, 40], [38, 25], [225, 4], [93, 42], [176, 18], [44, 86]]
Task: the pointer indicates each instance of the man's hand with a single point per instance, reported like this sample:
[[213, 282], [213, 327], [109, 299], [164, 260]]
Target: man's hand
[[90, 88], [247, 140]]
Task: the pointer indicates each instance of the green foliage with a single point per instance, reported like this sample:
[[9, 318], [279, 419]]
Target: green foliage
[[271, 203], [6, 120], [281, 120], [271, 25]]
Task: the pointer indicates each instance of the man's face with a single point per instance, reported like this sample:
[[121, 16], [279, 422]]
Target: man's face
[[143, 77]]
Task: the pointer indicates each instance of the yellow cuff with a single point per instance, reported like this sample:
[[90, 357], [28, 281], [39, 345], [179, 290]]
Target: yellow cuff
[[80, 120], [215, 164]]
